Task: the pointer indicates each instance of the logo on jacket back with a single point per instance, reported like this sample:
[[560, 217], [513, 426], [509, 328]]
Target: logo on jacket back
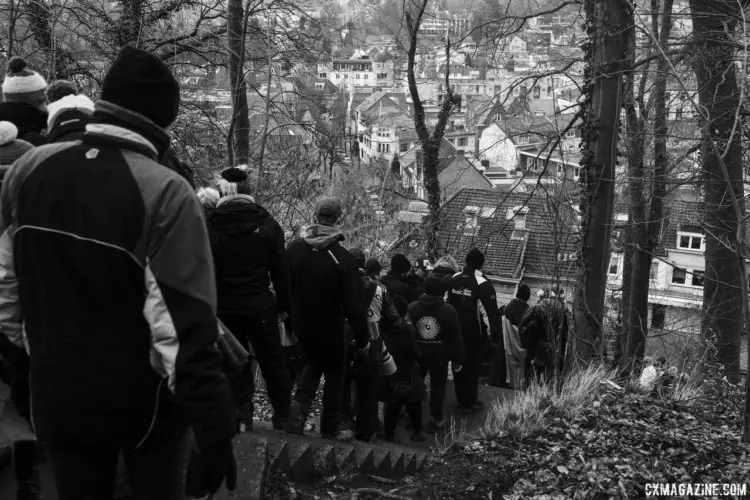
[[428, 327]]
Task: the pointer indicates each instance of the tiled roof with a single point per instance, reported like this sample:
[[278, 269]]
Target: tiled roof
[[536, 250]]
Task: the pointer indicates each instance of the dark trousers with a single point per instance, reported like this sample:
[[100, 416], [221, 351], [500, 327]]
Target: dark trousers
[[26, 458], [262, 332], [367, 407], [295, 362], [434, 361], [157, 471], [467, 380], [392, 410], [499, 368], [307, 387]]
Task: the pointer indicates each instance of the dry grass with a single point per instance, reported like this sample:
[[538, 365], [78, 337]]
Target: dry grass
[[527, 411]]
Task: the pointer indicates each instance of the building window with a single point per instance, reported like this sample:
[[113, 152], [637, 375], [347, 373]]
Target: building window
[[571, 134], [678, 276], [658, 314], [697, 279], [690, 241], [403, 147], [614, 264], [323, 75], [462, 141], [471, 225]]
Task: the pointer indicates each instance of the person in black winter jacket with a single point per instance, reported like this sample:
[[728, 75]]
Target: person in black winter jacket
[[515, 356], [406, 387], [395, 279], [123, 332], [473, 296], [68, 112], [544, 334], [440, 341], [444, 269], [249, 255], [24, 103], [325, 294]]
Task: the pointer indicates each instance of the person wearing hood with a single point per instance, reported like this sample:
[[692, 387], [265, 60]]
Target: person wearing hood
[[473, 296], [440, 341], [515, 355], [543, 333], [444, 269], [116, 299], [325, 294], [395, 280], [248, 249], [24, 103], [68, 112]]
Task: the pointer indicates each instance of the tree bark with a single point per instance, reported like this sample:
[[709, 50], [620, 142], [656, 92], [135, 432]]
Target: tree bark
[[725, 291], [606, 52], [430, 141], [239, 138], [648, 231]]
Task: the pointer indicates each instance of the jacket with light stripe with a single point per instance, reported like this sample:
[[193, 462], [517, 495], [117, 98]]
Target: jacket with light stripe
[[474, 299], [105, 259]]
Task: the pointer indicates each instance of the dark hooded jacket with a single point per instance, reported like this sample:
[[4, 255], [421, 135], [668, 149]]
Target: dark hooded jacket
[[68, 125], [30, 121], [401, 343], [248, 250], [398, 285], [325, 292], [437, 323], [115, 293], [544, 332]]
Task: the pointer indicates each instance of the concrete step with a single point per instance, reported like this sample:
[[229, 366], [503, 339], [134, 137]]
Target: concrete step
[[309, 457]]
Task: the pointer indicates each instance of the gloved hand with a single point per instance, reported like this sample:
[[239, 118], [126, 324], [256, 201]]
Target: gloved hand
[[210, 467]]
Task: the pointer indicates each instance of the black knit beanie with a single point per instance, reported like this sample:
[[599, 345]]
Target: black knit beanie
[[141, 82], [475, 258], [433, 286], [400, 264]]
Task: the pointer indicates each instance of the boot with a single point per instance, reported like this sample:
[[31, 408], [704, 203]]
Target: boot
[[245, 417], [297, 419]]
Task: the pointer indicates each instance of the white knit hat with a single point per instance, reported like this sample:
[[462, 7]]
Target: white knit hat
[[11, 148], [66, 103], [22, 84]]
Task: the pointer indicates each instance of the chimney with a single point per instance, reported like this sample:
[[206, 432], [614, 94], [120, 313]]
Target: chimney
[[486, 164]]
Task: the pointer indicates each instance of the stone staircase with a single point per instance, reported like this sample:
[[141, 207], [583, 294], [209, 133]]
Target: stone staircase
[[309, 457]]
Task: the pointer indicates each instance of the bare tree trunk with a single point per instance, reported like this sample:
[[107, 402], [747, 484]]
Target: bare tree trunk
[[430, 141], [11, 29], [725, 291], [606, 52], [649, 230], [239, 141], [264, 137]]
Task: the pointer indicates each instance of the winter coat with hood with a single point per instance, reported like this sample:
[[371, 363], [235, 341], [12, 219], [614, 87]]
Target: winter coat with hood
[[437, 323], [401, 343], [248, 250], [544, 332], [30, 121], [444, 269], [398, 285], [325, 291], [68, 117], [127, 290]]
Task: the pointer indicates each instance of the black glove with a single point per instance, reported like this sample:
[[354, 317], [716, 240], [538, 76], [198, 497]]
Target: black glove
[[210, 467]]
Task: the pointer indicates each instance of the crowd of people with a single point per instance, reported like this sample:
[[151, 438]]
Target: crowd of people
[[117, 277]]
